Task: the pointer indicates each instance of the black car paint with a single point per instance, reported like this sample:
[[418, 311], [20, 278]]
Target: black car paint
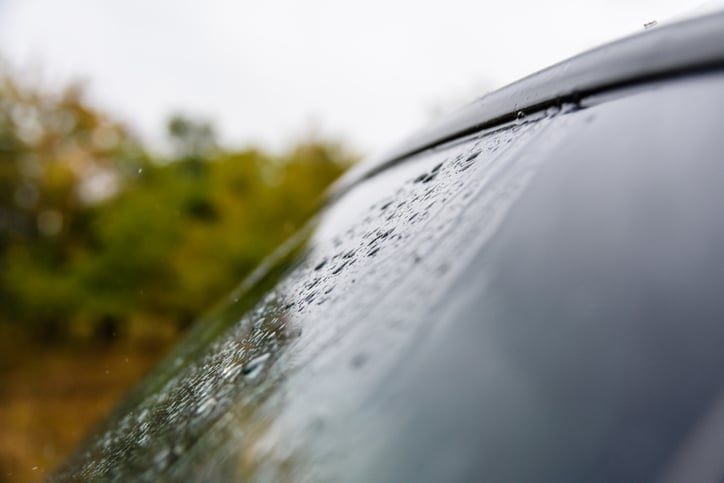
[[508, 298]]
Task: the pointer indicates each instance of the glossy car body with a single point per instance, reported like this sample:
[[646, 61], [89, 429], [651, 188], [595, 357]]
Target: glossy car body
[[530, 290]]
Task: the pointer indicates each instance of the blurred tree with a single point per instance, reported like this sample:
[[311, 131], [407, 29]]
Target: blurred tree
[[191, 138], [59, 159], [101, 241], [99, 237]]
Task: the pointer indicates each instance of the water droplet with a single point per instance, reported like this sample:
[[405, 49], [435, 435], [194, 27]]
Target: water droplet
[[140, 170], [253, 368], [162, 458], [339, 268], [142, 417], [566, 108], [552, 111], [385, 206], [359, 360], [317, 425], [206, 406], [429, 177], [231, 371]]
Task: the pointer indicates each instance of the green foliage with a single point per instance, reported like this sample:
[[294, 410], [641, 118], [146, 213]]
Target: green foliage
[[97, 233], [191, 139]]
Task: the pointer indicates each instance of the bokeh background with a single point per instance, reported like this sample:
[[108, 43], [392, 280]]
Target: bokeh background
[[152, 153]]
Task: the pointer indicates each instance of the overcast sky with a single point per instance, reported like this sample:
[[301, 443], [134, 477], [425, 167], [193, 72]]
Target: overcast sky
[[265, 71]]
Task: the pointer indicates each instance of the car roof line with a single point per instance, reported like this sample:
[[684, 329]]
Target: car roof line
[[683, 48]]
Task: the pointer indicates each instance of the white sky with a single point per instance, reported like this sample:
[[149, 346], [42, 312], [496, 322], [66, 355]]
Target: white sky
[[368, 72]]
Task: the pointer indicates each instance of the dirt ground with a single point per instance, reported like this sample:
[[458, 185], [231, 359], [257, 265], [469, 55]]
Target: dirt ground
[[51, 396]]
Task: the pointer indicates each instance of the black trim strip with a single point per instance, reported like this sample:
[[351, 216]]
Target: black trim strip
[[682, 48]]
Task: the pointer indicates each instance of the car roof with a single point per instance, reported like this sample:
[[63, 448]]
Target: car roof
[[665, 51]]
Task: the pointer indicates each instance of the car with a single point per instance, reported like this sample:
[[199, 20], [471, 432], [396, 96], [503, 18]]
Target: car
[[531, 289]]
